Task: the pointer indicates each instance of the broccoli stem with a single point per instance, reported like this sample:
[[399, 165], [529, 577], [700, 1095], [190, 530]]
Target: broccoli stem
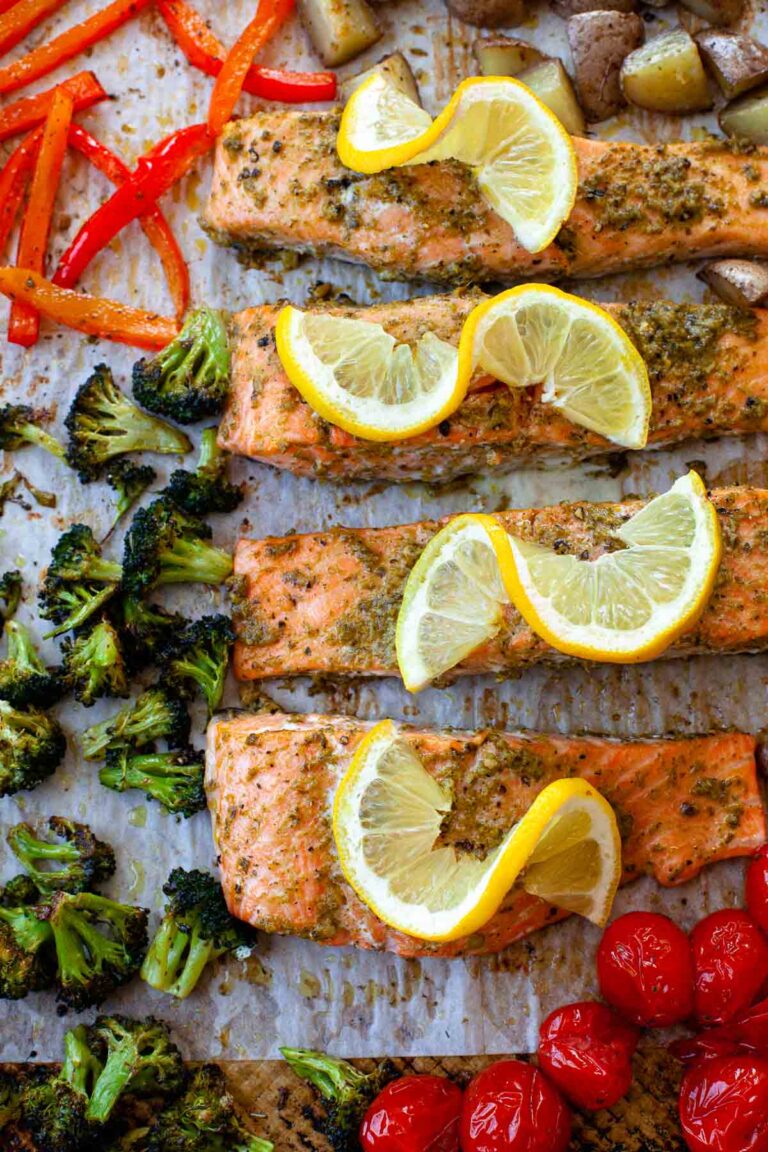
[[329, 1074], [194, 562], [85, 601], [118, 1071], [167, 968], [80, 1067], [34, 435], [21, 650]]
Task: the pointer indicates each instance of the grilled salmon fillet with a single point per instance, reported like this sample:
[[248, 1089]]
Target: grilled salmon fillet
[[270, 781], [278, 183], [706, 363], [327, 602]]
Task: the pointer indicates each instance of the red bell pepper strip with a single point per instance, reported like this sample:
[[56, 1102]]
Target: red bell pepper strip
[[19, 20], [95, 316], [269, 18], [153, 175], [24, 325], [13, 183], [40, 61], [26, 113], [153, 222], [205, 52]]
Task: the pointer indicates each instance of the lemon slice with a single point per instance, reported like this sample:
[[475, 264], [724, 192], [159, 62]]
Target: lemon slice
[[453, 599], [521, 155], [387, 817], [358, 377], [626, 605], [589, 368]]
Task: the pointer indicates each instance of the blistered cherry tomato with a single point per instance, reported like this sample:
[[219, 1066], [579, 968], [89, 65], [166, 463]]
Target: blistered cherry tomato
[[757, 889], [586, 1051], [645, 969], [730, 956], [748, 1032], [724, 1105], [414, 1114], [512, 1107]]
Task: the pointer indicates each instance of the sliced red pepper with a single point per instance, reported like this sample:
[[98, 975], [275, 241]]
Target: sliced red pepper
[[205, 52], [22, 18], [91, 314], [26, 113], [13, 183], [24, 324], [154, 174], [269, 18], [40, 61]]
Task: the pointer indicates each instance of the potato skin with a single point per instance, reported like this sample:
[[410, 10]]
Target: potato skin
[[666, 75], [740, 282], [599, 42], [339, 29], [566, 8], [489, 13], [505, 56], [716, 11], [736, 62]]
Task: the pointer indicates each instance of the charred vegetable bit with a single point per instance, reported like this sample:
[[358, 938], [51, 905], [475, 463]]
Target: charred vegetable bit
[[174, 779], [11, 1087], [164, 546], [26, 963], [196, 929], [157, 714], [19, 890], [10, 594], [75, 861], [139, 1057], [346, 1090], [145, 628], [68, 606], [32, 746], [103, 423], [77, 556], [94, 664], [18, 426], [78, 581], [200, 655], [204, 1119], [189, 379], [55, 1109], [25, 681], [207, 489], [130, 481]]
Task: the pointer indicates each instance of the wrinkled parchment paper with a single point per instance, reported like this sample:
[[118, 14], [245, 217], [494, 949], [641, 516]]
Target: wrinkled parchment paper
[[294, 992]]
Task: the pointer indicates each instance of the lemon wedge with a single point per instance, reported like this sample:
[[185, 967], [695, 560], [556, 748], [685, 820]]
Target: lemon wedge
[[631, 604], [358, 377], [521, 155], [387, 818], [589, 368], [453, 599]]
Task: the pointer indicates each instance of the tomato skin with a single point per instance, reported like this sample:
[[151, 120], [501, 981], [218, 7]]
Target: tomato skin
[[748, 1032], [724, 1105], [757, 889], [414, 1114], [512, 1107], [645, 969], [586, 1051], [730, 957]]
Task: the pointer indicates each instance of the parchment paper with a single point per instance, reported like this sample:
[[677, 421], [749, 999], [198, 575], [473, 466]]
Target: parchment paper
[[295, 992]]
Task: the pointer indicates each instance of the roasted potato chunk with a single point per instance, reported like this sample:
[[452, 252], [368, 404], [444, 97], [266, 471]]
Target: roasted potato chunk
[[715, 11], [503, 56], [395, 69], [599, 42], [568, 8], [489, 13], [740, 282], [666, 75], [339, 29], [552, 84], [747, 117], [736, 62]]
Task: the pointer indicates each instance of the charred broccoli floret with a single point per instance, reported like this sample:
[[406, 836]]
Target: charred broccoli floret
[[346, 1090], [206, 490], [18, 426], [196, 928], [139, 1057], [56, 1108], [32, 745], [68, 606], [174, 779], [129, 480], [157, 714], [20, 890], [204, 1119], [165, 546], [99, 945], [24, 679], [25, 954], [78, 580], [11, 1088], [75, 861], [200, 655], [10, 594], [189, 379], [103, 423], [145, 628], [94, 664]]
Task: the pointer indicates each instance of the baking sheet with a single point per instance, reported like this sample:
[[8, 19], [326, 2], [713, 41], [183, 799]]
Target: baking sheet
[[294, 992]]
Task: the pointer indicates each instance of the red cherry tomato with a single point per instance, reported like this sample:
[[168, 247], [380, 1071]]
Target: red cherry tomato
[[724, 1105], [757, 888], [586, 1051], [748, 1032], [730, 956], [645, 969], [512, 1107], [414, 1114]]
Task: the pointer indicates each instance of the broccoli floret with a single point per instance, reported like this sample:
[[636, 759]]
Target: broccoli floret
[[69, 606], [346, 1090], [196, 928], [78, 580], [139, 1057], [20, 890], [56, 1108], [189, 379], [200, 654], [103, 423], [24, 679], [99, 945], [156, 714], [83, 859], [94, 664], [129, 480], [207, 489], [25, 956], [204, 1119], [164, 546], [18, 426], [10, 594], [32, 745], [174, 779], [11, 1088]]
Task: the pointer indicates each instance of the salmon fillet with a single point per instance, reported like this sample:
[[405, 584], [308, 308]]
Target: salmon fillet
[[327, 602], [681, 804], [706, 363], [278, 183]]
